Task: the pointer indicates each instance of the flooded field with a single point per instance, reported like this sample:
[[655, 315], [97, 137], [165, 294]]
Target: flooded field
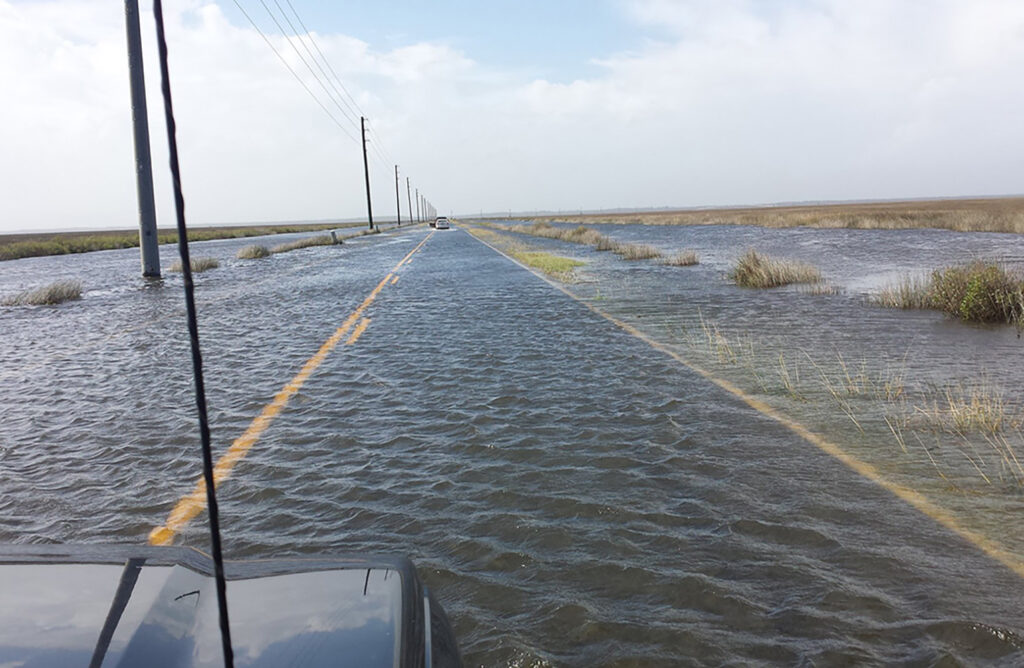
[[574, 495]]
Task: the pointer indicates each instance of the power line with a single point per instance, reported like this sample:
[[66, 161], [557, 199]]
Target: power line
[[353, 108], [294, 74], [379, 152], [326, 62], [303, 59]]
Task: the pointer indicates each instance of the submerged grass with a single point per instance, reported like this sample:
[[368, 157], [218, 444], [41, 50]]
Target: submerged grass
[[252, 252], [967, 433], [198, 264], [306, 242], [555, 266], [54, 293], [636, 251], [585, 236], [686, 258], [755, 270], [983, 292]]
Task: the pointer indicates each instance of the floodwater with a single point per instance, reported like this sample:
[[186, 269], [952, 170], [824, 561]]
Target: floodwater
[[574, 496]]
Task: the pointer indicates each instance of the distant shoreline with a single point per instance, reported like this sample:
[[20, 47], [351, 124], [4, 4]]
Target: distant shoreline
[[27, 244], [1005, 214]]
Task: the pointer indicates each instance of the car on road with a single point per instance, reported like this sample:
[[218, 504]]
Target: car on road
[[442, 223]]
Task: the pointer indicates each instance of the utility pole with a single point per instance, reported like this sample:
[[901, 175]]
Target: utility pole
[[398, 199], [418, 217], [366, 171], [408, 195], [148, 245]]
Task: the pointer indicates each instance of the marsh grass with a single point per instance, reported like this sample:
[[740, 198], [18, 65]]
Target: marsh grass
[[306, 242], [822, 289], [585, 236], [962, 215], [15, 246], [983, 292], [756, 270], [966, 433], [909, 292], [252, 252], [54, 293], [980, 408], [686, 258], [198, 264], [555, 266], [636, 251]]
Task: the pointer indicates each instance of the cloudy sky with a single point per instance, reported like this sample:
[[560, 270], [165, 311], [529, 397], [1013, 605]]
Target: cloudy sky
[[514, 104]]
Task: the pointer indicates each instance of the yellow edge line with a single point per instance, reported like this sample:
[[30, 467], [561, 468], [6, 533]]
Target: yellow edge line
[[193, 503], [990, 547]]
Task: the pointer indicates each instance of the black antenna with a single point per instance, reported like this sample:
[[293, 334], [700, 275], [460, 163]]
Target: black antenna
[[193, 332]]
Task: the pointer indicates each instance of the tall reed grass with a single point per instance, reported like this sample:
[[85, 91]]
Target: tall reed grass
[[15, 246], [684, 259], [54, 293], [983, 292], [755, 270], [252, 252], [963, 215], [636, 251], [198, 264], [306, 242]]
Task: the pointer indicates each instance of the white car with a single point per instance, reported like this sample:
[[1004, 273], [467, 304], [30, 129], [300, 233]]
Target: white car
[[442, 223]]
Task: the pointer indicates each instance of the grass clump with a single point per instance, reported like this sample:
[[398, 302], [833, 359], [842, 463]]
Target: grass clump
[[822, 289], [755, 270], [637, 251], [684, 259], [980, 408], [910, 292], [54, 293], [977, 292], [252, 252], [982, 292], [198, 264], [552, 265], [307, 242]]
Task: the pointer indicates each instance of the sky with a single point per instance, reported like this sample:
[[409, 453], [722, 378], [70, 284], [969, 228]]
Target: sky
[[508, 105]]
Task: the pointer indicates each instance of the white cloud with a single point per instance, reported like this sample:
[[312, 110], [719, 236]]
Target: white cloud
[[728, 101]]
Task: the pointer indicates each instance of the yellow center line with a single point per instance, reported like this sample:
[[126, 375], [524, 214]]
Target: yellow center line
[[360, 328], [193, 503], [394, 280], [912, 497]]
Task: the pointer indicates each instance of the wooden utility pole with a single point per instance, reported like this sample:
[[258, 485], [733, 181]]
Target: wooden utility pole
[[148, 245], [398, 199], [419, 218], [366, 171], [408, 195]]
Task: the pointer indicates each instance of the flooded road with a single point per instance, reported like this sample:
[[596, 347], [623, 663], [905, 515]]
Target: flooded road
[[575, 496]]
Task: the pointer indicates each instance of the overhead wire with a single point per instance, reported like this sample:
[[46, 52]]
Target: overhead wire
[[377, 150], [352, 107], [312, 39], [305, 62], [294, 73], [341, 99]]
